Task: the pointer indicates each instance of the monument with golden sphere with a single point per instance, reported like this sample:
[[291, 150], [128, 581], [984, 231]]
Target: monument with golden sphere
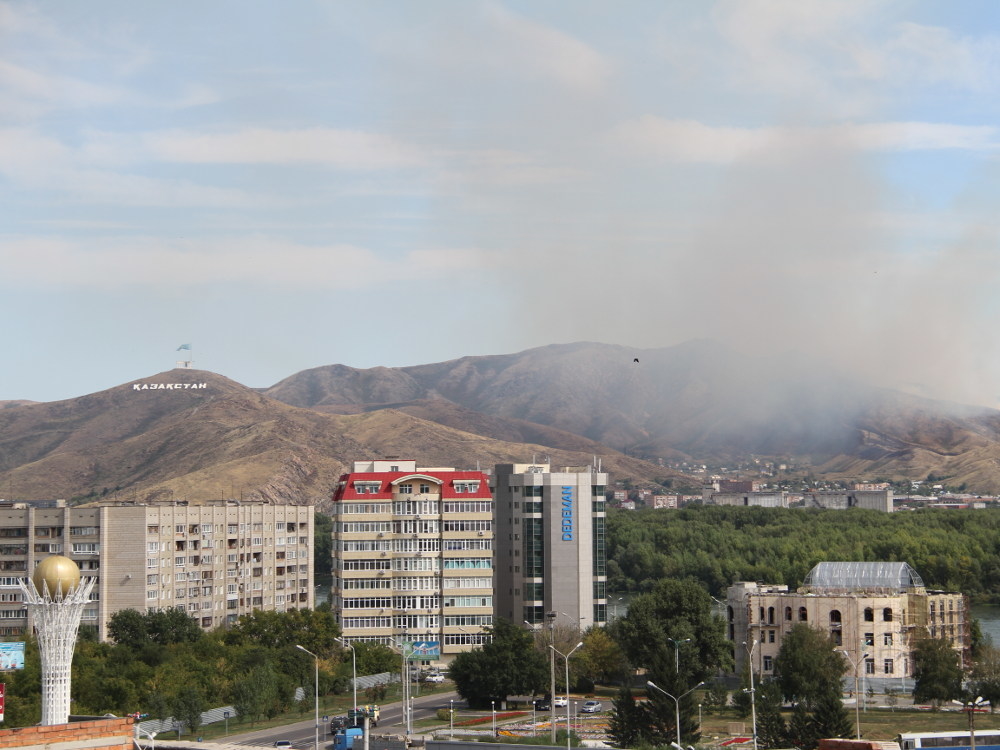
[[55, 596]]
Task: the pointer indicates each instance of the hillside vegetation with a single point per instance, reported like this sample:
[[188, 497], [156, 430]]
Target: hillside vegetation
[[951, 550]]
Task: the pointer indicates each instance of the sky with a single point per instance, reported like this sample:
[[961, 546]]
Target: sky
[[290, 185]]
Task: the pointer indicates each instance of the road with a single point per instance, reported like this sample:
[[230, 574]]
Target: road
[[301, 734]]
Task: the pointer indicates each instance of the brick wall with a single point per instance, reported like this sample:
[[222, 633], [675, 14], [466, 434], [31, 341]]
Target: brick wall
[[117, 734]]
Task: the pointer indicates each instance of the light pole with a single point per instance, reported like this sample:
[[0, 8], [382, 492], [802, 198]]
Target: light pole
[[493, 707], [677, 706], [552, 673], [404, 676], [677, 652], [354, 669], [971, 705], [753, 694], [451, 718], [857, 698], [553, 708], [315, 691]]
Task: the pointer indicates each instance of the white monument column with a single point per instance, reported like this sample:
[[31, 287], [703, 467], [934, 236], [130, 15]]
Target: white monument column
[[55, 598]]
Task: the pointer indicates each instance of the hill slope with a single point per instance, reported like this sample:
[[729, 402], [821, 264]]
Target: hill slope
[[698, 400], [224, 440]]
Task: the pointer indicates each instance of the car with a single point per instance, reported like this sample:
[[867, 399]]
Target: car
[[282, 743], [338, 722], [434, 677], [559, 702], [542, 705], [592, 707]]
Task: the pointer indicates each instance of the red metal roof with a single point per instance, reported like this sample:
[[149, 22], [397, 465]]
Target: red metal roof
[[346, 486]]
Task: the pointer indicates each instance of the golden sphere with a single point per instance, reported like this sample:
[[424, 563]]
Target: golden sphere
[[59, 573]]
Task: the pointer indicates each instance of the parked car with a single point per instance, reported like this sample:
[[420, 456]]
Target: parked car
[[559, 702], [542, 705], [592, 707], [434, 677], [282, 743]]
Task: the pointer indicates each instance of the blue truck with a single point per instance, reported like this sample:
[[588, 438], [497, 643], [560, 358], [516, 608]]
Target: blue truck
[[348, 738]]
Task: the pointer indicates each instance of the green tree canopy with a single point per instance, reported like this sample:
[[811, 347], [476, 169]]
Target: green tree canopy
[[936, 671], [678, 610], [508, 665], [808, 666]]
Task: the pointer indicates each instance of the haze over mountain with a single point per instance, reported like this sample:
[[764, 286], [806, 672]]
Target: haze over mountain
[[699, 400], [163, 437]]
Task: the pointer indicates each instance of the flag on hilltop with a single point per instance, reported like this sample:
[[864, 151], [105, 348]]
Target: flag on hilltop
[[184, 346]]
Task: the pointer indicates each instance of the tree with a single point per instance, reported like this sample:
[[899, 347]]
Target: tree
[[771, 729], [830, 717], [374, 658], [801, 730], [601, 659], [678, 610], [985, 676], [127, 627], [662, 711], [807, 666], [508, 665], [166, 626], [627, 721], [188, 707], [937, 674], [717, 696]]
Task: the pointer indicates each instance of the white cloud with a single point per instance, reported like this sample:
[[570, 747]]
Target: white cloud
[[349, 149], [541, 50], [695, 142], [115, 263]]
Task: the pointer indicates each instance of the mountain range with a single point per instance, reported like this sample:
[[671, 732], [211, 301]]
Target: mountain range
[[196, 435]]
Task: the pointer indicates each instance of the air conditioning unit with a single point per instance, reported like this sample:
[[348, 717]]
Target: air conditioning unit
[[382, 555], [381, 534], [481, 533], [415, 536]]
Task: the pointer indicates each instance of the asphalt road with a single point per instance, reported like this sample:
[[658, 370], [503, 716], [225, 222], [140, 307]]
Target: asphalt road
[[301, 734]]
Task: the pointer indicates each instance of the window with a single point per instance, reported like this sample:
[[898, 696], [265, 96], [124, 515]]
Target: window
[[425, 488], [86, 548], [788, 614], [803, 614], [837, 637], [869, 614], [869, 639], [835, 616], [768, 664], [887, 639], [869, 666], [405, 489], [887, 614], [887, 666]]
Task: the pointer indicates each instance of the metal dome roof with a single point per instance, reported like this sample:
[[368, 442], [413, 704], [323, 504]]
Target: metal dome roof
[[863, 575]]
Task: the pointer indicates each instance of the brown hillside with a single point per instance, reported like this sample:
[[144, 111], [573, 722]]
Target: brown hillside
[[224, 440]]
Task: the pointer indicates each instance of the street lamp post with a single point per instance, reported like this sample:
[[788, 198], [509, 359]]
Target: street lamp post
[[354, 669], [552, 673], [451, 718], [753, 693], [553, 708], [493, 707], [315, 692], [857, 698], [677, 706], [677, 652], [970, 706]]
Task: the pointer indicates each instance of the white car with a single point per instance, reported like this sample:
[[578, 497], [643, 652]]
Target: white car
[[558, 702], [434, 677], [591, 707]]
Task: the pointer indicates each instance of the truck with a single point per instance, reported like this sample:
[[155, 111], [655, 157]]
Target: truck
[[348, 738], [356, 717]]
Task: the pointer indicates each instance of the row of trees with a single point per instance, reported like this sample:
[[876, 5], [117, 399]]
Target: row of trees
[[163, 664], [718, 545]]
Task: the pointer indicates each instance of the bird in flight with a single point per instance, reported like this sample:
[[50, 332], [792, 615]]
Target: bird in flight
[[636, 360]]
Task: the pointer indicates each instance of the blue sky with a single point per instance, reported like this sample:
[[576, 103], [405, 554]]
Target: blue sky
[[289, 185]]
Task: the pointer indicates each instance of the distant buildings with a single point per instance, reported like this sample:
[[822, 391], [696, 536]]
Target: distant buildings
[[413, 556], [215, 561], [880, 499], [551, 555], [876, 612]]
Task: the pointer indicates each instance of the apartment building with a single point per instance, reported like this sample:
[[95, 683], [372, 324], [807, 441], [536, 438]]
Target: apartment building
[[413, 556], [875, 611], [551, 555], [216, 561]]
